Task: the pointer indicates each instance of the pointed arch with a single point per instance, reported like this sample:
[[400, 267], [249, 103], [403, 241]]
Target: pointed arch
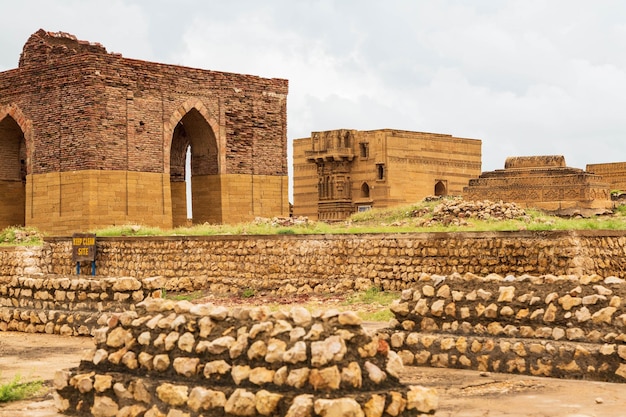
[[441, 189], [12, 110], [175, 118], [14, 165], [194, 165]]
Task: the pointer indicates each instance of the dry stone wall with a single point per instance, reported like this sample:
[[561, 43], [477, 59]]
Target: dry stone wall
[[181, 359], [291, 263], [68, 305], [571, 327]]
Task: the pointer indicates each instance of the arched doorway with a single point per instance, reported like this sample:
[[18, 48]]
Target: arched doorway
[[12, 174], [194, 180], [440, 189]]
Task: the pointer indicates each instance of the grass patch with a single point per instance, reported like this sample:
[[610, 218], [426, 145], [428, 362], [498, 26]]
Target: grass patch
[[248, 293], [378, 303], [380, 315], [23, 236], [16, 390], [131, 230], [373, 295], [410, 218], [196, 295]]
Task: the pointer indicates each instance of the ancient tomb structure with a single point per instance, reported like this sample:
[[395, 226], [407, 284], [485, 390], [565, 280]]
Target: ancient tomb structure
[[613, 172], [543, 182], [339, 172], [91, 139]]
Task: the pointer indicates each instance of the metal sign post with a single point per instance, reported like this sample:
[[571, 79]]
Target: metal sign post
[[84, 249]]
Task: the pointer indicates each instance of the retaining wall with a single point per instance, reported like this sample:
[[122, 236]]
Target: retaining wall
[[332, 262]]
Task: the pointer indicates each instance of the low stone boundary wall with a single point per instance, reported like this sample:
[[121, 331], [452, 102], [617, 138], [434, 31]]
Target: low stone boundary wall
[[327, 263], [68, 305], [181, 359], [546, 325]]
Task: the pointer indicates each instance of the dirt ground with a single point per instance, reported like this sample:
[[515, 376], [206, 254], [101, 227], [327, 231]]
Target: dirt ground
[[462, 393]]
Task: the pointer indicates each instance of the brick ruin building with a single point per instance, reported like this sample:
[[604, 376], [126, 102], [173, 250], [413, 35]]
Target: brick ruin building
[[90, 139], [543, 182], [339, 172]]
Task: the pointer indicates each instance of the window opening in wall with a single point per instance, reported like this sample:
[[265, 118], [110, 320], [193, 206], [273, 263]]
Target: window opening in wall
[[364, 208], [380, 172], [364, 151], [188, 184]]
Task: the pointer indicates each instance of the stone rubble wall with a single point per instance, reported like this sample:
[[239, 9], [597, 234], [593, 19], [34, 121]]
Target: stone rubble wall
[[68, 305], [558, 326], [179, 359], [303, 263]]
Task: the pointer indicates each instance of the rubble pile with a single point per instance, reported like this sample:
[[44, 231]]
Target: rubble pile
[[457, 212]]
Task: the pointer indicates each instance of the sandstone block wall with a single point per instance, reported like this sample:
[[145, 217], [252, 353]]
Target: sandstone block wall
[[541, 325], [170, 358]]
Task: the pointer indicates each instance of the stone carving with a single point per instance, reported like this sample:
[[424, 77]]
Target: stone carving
[[543, 182], [398, 167]]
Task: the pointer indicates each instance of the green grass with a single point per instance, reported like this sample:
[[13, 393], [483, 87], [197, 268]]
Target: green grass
[[380, 300], [16, 390], [17, 235], [412, 218], [182, 297]]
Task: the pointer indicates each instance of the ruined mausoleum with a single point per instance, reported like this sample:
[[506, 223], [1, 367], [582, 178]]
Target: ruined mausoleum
[[613, 172], [543, 182], [90, 139]]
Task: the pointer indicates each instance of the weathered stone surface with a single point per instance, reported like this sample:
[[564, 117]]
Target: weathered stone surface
[[267, 402], [302, 406], [175, 395], [328, 350], [186, 366], [241, 403], [340, 407], [325, 379], [104, 407]]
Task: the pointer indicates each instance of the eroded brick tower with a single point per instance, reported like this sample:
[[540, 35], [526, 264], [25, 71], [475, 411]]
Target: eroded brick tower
[[90, 139]]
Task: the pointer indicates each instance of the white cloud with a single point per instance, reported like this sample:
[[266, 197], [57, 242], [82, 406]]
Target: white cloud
[[527, 77]]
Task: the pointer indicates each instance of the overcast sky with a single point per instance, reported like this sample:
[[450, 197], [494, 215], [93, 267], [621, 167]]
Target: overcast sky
[[528, 77]]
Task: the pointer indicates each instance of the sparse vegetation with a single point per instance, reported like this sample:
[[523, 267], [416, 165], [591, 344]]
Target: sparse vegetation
[[16, 390], [24, 236], [248, 293], [182, 296], [425, 216]]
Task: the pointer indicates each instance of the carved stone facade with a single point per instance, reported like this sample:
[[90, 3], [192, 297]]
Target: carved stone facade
[[339, 172], [543, 182], [90, 139], [614, 173]]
